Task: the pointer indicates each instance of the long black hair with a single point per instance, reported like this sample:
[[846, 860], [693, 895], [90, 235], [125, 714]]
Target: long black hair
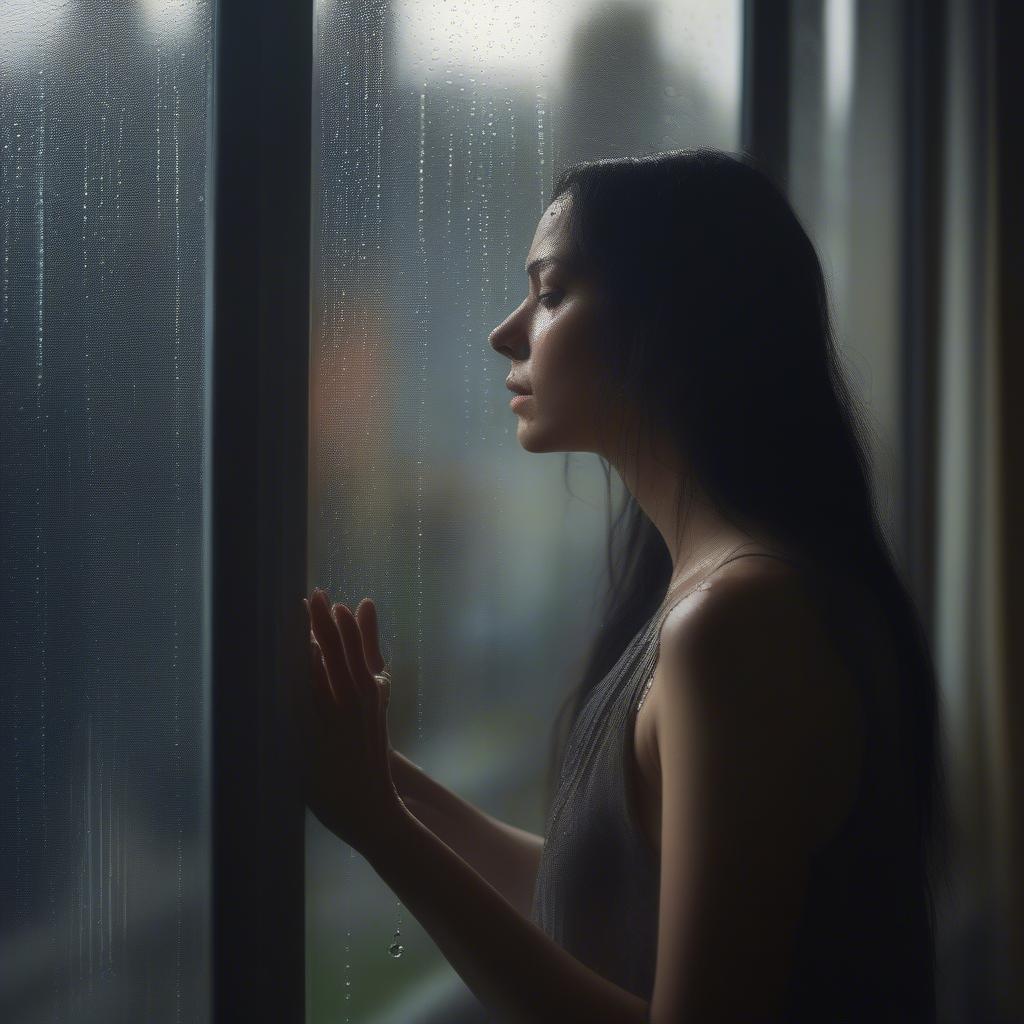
[[721, 337]]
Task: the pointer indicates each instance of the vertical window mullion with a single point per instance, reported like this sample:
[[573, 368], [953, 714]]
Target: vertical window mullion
[[765, 87], [258, 482], [922, 193]]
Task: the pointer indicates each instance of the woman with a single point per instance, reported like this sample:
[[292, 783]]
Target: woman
[[749, 802]]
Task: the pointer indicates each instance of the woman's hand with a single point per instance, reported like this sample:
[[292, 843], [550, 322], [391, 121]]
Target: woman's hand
[[343, 724]]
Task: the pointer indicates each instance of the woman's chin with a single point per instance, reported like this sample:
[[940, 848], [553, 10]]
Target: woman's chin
[[528, 435], [533, 439]]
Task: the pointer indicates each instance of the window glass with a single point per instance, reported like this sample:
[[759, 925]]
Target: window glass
[[438, 130], [104, 839]]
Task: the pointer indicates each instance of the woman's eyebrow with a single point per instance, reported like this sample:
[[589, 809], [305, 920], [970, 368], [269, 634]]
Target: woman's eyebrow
[[543, 261]]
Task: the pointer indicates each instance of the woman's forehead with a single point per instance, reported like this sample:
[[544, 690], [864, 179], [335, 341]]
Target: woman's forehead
[[551, 226]]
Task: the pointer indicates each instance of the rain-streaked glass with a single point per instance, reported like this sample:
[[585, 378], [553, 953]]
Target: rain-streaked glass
[[437, 132], [104, 840]]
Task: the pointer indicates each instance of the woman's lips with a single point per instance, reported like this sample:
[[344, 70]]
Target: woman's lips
[[518, 401]]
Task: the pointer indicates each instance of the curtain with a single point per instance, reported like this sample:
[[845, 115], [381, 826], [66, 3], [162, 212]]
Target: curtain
[[976, 607]]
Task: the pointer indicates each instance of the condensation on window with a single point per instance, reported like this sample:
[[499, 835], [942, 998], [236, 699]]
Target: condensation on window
[[104, 886]]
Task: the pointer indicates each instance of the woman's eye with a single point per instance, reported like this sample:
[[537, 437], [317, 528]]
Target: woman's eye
[[548, 295]]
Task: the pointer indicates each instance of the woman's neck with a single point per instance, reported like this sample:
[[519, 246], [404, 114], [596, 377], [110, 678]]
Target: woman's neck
[[696, 534]]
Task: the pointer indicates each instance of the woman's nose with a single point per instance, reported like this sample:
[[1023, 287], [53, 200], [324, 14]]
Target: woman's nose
[[507, 339]]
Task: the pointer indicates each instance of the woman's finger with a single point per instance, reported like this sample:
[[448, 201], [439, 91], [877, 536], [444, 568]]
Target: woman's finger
[[366, 616], [324, 701], [352, 646], [338, 609], [329, 638]]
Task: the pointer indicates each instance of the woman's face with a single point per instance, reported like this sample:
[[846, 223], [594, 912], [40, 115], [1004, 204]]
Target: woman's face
[[550, 340]]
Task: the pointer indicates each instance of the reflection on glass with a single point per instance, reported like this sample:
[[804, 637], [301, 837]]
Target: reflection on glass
[[104, 842], [438, 130]]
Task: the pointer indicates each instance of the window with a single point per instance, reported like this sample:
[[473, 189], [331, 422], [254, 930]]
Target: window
[[105, 838]]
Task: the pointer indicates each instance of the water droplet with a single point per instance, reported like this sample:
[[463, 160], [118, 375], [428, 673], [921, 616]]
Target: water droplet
[[396, 949]]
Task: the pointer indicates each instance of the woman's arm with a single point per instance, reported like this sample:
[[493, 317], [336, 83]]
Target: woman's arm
[[517, 971], [506, 856]]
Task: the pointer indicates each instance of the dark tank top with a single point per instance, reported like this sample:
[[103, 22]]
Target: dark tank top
[[862, 950]]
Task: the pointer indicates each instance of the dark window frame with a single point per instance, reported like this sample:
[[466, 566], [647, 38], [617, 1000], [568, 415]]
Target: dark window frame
[[257, 418]]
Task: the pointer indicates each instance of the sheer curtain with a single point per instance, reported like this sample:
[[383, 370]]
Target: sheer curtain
[[977, 537]]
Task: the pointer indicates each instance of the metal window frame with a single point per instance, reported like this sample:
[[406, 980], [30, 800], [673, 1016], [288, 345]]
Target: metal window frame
[[258, 412], [922, 187], [765, 113]]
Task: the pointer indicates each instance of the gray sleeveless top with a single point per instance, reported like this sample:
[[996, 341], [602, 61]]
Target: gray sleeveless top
[[861, 950]]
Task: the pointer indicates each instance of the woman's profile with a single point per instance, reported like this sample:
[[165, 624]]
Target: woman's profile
[[745, 813]]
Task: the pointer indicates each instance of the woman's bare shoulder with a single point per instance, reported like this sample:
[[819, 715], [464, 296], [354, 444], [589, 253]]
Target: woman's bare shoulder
[[753, 645], [748, 594]]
